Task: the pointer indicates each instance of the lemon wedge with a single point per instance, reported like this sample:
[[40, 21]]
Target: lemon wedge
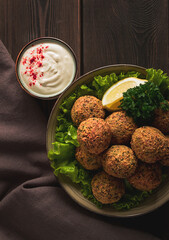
[[111, 98]]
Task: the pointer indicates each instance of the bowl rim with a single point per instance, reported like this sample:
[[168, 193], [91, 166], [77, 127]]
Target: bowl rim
[[20, 55], [67, 189]]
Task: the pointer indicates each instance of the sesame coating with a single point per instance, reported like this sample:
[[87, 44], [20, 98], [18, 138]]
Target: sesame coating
[[107, 189], [146, 177], [88, 160], [149, 144], [86, 107], [94, 135], [119, 161], [122, 127]]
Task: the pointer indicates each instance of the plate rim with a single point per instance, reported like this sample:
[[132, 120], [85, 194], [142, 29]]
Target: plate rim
[[68, 189]]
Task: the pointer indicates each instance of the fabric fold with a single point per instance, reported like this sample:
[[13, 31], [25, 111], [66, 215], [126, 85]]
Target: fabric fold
[[33, 206]]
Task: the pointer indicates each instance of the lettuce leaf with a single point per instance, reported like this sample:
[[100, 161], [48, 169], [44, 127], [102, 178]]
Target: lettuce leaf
[[132, 198], [68, 103], [123, 75], [160, 79], [70, 136], [85, 90], [62, 123], [101, 84], [61, 152], [129, 201]]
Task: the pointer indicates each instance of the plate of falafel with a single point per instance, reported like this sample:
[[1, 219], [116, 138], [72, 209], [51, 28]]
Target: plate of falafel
[[111, 162]]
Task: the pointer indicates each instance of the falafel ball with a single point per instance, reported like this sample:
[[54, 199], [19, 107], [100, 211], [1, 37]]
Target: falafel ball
[[119, 161], [107, 189], [161, 120], [122, 127], [149, 144], [165, 160], [146, 177], [86, 107], [94, 135], [88, 160]]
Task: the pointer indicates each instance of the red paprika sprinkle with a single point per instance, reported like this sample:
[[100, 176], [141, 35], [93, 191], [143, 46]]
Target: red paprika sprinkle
[[34, 62], [32, 59], [24, 61], [39, 64], [34, 75], [39, 50]]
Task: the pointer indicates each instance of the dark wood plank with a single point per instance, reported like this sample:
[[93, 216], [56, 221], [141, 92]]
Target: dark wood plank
[[22, 21], [123, 31]]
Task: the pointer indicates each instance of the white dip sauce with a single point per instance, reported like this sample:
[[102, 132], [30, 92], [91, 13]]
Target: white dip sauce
[[46, 69]]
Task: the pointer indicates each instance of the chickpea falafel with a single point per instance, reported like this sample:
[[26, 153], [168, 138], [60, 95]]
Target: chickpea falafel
[[107, 189], [88, 160], [165, 160], [119, 161], [122, 127], [94, 135], [146, 177], [149, 144], [161, 120], [86, 107]]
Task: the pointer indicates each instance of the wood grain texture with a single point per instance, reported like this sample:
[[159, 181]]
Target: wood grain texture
[[22, 21], [123, 31]]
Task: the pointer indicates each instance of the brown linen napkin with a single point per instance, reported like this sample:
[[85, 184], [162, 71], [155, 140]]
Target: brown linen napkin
[[32, 204]]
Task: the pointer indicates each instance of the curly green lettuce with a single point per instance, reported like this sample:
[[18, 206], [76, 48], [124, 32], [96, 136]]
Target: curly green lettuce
[[160, 79]]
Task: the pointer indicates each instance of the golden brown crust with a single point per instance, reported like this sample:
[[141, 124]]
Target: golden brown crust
[[146, 177], [161, 120], [165, 159], [88, 160], [86, 107], [122, 127], [107, 189], [119, 161], [149, 144], [94, 135]]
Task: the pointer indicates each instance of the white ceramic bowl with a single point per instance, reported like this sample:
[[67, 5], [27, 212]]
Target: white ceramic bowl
[[45, 67]]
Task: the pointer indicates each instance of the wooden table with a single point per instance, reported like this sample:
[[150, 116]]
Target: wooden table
[[101, 32]]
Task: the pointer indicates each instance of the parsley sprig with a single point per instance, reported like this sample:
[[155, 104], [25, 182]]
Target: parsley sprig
[[140, 102]]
